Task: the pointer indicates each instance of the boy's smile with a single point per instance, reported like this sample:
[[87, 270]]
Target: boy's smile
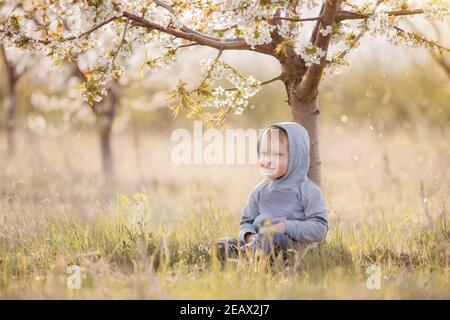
[[273, 154]]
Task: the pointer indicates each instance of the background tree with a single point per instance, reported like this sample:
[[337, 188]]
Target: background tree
[[105, 112], [308, 39], [60, 94], [14, 66], [68, 101]]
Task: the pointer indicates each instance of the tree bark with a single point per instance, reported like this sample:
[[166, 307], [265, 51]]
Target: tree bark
[[307, 114], [105, 145], [302, 83], [304, 109], [11, 101], [10, 119], [106, 113]]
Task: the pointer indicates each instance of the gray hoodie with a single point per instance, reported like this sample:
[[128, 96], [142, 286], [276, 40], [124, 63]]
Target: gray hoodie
[[292, 199]]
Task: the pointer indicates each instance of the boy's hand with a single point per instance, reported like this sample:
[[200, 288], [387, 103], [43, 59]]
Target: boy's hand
[[279, 227], [249, 237]]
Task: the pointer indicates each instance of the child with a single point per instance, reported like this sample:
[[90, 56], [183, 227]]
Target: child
[[286, 208]]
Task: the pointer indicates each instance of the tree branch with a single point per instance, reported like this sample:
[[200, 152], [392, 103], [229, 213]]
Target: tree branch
[[349, 15], [166, 6], [316, 26], [444, 63], [310, 82], [185, 28], [122, 41], [358, 37], [300, 19], [280, 77], [83, 34], [209, 70], [430, 43], [206, 40]]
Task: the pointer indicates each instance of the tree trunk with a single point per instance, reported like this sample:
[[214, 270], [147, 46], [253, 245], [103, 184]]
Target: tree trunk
[[11, 101], [105, 145], [305, 113], [106, 112], [10, 118], [302, 83]]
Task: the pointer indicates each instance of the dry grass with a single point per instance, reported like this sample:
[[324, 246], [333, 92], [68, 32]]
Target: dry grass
[[55, 211]]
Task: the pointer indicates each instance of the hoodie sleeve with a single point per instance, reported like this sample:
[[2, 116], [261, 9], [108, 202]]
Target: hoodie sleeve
[[249, 214], [315, 227]]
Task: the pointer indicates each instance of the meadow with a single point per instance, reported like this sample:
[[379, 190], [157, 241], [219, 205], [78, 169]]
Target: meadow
[[151, 234], [67, 231]]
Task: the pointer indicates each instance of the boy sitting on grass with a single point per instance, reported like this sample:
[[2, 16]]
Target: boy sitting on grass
[[286, 208]]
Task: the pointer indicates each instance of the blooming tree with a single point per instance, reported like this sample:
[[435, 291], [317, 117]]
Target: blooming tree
[[310, 39], [61, 95], [105, 112], [66, 99], [15, 65]]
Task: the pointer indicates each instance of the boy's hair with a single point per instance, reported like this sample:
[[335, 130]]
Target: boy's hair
[[283, 134]]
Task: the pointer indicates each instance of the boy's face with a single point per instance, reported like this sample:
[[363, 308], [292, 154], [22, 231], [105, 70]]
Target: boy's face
[[273, 155]]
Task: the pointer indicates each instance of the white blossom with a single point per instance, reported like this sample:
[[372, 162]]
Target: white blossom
[[326, 31]]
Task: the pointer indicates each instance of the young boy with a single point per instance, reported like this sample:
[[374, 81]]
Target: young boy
[[286, 208]]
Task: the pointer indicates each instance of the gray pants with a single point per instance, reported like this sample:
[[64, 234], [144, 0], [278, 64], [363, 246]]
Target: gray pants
[[272, 245]]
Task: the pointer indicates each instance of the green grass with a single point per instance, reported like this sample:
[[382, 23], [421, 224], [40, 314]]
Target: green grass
[[119, 259], [152, 236]]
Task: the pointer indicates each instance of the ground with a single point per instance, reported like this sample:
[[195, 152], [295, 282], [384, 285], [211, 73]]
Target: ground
[[151, 235]]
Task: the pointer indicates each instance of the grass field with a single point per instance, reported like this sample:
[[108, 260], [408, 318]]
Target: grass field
[[151, 235]]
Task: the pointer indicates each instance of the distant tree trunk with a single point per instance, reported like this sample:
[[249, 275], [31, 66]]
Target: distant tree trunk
[[11, 102], [105, 144], [106, 112], [10, 119]]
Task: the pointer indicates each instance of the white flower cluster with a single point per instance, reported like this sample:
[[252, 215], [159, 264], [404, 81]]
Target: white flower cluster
[[437, 9], [284, 30], [247, 87], [248, 16], [289, 30], [236, 97], [344, 39], [153, 13], [410, 39], [326, 31], [212, 68], [95, 88], [379, 23], [333, 69], [244, 19], [310, 54], [256, 34]]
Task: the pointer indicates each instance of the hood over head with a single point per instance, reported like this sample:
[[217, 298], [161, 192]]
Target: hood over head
[[298, 151]]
